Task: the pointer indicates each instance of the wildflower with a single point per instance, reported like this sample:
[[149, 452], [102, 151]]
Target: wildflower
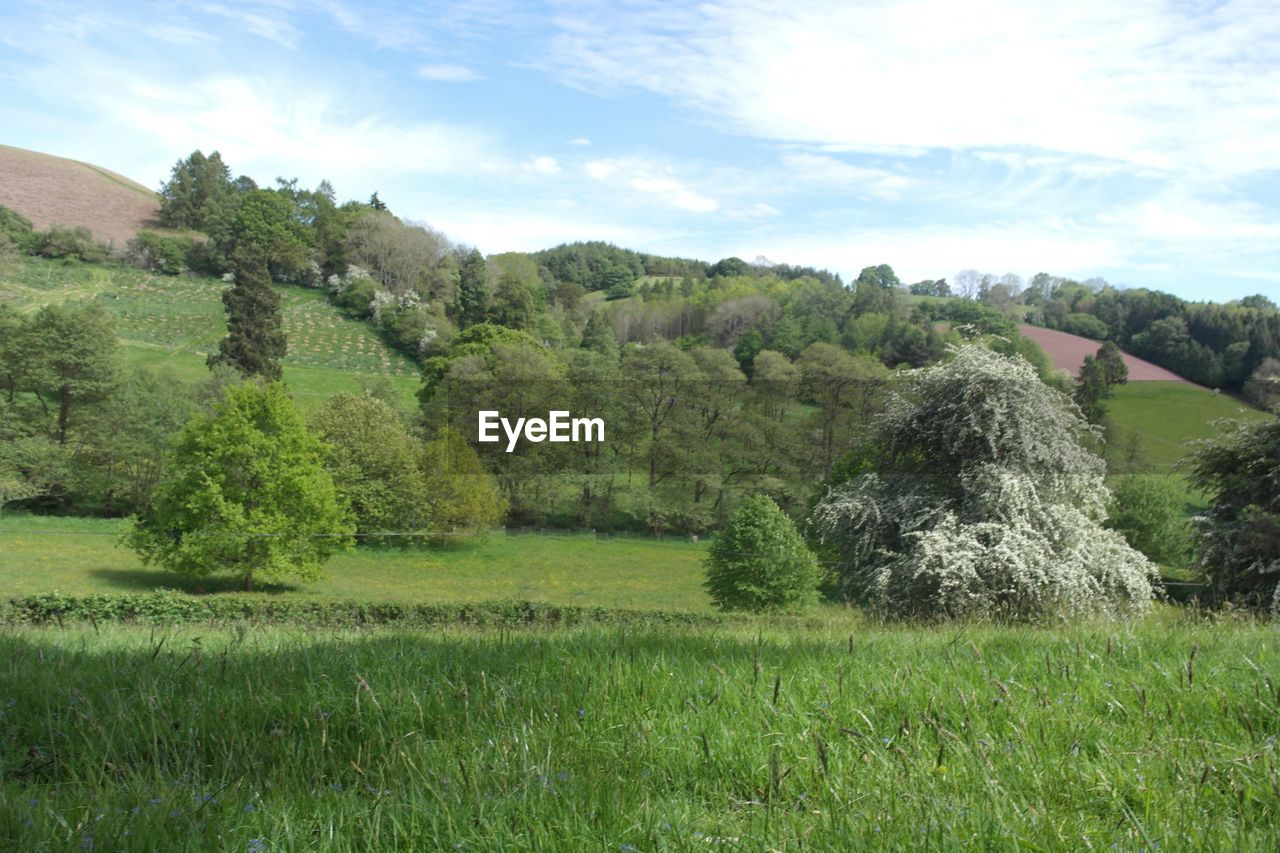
[[256, 845], [86, 842]]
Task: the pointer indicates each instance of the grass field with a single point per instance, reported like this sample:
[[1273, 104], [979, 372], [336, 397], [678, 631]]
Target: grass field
[[173, 322], [840, 736], [77, 556], [1167, 415]]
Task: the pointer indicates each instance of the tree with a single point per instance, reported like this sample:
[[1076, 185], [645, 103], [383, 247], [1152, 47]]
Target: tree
[[1151, 513], [1263, 387], [760, 562], [749, 345], [1238, 538], [255, 340], [374, 464], [513, 303], [15, 231], [462, 497], [473, 289], [198, 194], [599, 336], [69, 357], [1091, 388], [982, 500], [250, 496], [1113, 366]]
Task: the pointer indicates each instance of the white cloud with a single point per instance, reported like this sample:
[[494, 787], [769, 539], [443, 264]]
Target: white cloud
[[258, 23], [543, 165], [831, 172], [675, 194], [1185, 88], [600, 169], [581, 140], [447, 73]]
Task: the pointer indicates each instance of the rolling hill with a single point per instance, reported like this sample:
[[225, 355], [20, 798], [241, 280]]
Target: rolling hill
[[52, 190], [1067, 352]]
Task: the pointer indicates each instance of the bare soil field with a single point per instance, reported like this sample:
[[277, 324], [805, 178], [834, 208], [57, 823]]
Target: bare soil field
[[55, 191], [1068, 351]]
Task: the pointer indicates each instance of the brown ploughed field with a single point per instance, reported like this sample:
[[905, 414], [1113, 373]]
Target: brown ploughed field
[[1068, 351], [52, 190]]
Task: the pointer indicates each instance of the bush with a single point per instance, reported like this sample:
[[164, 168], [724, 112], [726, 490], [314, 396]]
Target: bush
[[983, 501], [62, 242], [167, 254], [16, 230], [760, 562], [1086, 326], [1151, 513]]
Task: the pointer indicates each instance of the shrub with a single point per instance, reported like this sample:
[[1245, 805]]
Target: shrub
[[1151, 513], [167, 254], [1086, 326], [760, 561], [983, 502], [62, 242], [16, 230]]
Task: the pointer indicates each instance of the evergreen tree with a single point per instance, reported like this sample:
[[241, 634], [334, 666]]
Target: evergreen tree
[[473, 289], [1113, 366], [513, 304], [255, 340], [598, 336]]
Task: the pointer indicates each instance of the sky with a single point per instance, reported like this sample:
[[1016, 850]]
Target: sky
[[1137, 141]]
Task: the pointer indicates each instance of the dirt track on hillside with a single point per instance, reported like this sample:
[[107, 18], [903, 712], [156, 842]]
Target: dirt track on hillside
[[1068, 351], [53, 191]]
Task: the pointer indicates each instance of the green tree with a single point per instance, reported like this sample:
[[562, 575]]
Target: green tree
[[16, 231], [513, 303], [1150, 511], [760, 562], [270, 225], [69, 358], [1113, 366], [249, 497], [473, 289], [982, 500], [1091, 388], [374, 463], [462, 497], [199, 193], [1238, 538], [748, 346], [599, 336], [255, 340]]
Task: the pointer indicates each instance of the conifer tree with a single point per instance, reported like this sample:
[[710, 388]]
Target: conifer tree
[[255, 340]]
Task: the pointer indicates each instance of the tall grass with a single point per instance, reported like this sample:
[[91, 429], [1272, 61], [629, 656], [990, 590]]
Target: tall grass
[[755, 737]]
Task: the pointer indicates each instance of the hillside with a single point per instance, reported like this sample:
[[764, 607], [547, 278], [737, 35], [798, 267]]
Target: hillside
[[52, 190], [174, 322], [1068, 351]]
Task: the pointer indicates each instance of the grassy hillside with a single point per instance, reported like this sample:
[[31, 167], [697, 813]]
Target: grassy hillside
[[1166, 415], [77, 556], [175, 321], [52, 190]]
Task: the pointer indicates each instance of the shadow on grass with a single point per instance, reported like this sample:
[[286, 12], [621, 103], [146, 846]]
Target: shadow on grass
[[147, 580]]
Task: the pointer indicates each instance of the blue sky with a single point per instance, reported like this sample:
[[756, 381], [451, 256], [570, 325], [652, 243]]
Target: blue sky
[[1136, 141]]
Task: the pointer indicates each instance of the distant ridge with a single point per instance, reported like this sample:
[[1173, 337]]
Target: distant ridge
[[52, 190], [1067, 352]]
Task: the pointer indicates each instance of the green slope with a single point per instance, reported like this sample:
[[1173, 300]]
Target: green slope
[[1165, 416], [175, 321]]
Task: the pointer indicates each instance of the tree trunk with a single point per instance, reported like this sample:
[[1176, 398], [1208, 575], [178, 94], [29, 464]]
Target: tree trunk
[[248, 582]]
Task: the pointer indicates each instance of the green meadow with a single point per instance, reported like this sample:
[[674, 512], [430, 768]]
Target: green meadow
[[79, 556], [753, 735]]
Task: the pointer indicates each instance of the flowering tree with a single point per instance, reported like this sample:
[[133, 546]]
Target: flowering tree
[[982, 501]]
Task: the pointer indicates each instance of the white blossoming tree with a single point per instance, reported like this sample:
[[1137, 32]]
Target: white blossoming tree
[[982, 500]]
